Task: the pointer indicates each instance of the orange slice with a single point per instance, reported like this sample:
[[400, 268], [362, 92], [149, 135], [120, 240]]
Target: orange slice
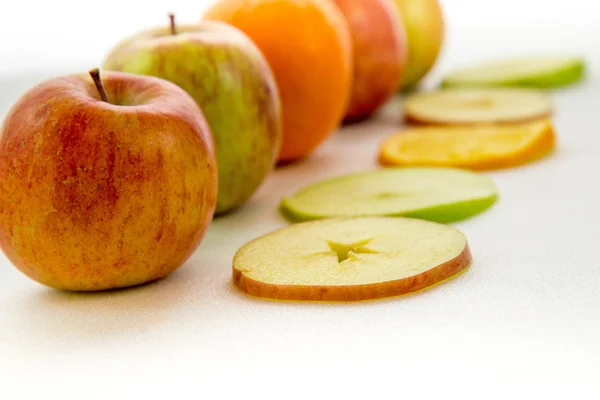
[[470, 147]]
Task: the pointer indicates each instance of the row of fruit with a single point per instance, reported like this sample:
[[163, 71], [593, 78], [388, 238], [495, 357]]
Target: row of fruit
[[385, 232], [111, 179]]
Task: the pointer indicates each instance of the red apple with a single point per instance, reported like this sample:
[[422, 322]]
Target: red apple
[[104, 185], [380, 54]]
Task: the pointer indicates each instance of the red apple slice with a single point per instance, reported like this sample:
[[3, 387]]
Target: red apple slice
[[477, 106], [350, 259]]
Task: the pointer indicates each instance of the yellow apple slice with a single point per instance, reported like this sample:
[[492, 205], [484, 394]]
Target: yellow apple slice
[[545, 72], [350, 259], [477, 106], [471, 147]]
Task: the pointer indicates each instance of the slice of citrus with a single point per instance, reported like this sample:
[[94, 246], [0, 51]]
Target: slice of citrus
[[475, 147], [350, 259], [544, 72], [477, 106]]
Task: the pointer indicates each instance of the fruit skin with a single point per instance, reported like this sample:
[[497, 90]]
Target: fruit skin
[[549, 80], [308, 46], [379, 53], [425, 27], [428, 279], [98, 196], [232, 83]]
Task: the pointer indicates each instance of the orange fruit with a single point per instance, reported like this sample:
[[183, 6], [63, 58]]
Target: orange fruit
[[308, 46], [471, 147]]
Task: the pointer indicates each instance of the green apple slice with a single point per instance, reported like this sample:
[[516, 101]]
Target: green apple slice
[[431, 193], [350, 259], [477, 106], [545, 72]]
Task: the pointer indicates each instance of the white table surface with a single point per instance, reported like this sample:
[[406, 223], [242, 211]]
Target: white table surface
[[524, 320]]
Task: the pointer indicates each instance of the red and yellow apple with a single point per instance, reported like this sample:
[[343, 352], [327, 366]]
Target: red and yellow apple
[[104, 185], [380, 52], [231, 81], [425, 28]]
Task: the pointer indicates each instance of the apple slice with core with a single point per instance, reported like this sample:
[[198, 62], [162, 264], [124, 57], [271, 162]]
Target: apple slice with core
[[472, 147], [545, 72], [430, 193], [477, 106], [350, 259]]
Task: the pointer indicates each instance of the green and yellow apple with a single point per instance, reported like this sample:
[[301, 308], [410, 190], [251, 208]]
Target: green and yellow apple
[[380, 51], [104, 185], [425, 27], [231, 81]]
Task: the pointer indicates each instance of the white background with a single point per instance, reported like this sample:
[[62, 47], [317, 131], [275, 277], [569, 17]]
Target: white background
[[69, 34], [524, 321]]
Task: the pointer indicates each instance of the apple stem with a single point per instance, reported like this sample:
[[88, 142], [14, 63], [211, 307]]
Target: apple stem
[[95, 74], [172, 19]]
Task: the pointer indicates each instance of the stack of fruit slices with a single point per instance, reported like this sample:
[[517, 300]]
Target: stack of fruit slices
[[367, 235], [479, 129], [489, 116], [384, 232]]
